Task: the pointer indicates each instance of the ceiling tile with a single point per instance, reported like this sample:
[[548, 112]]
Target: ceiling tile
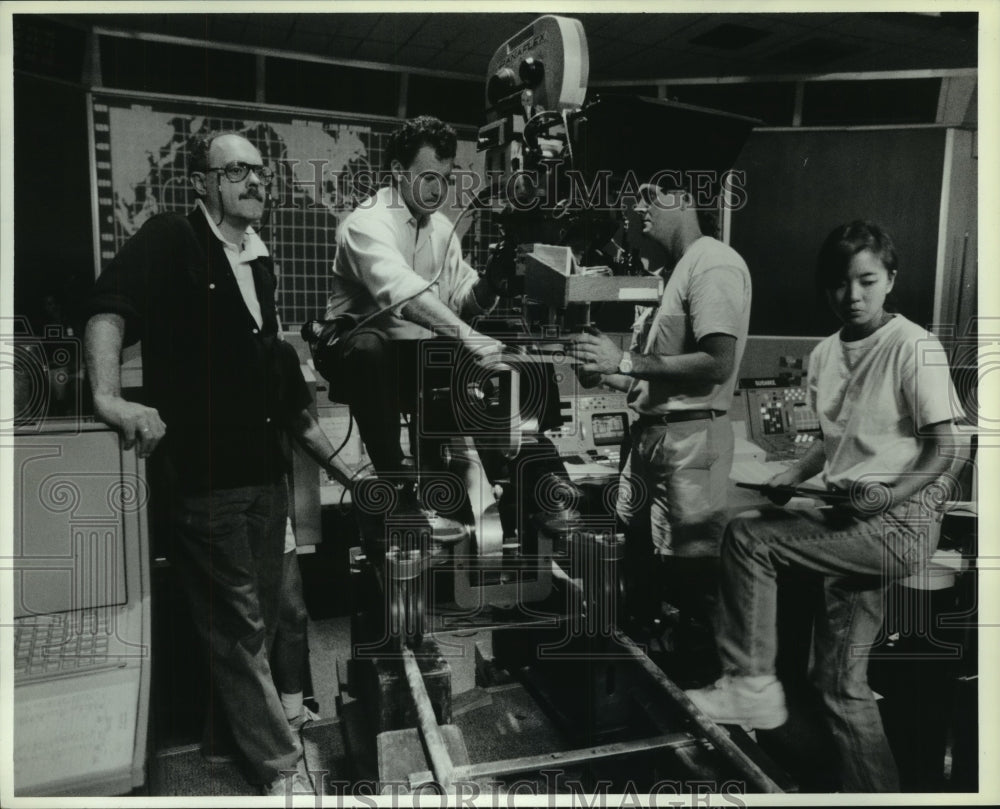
[[817, 53], [730, 37], [622, 46]]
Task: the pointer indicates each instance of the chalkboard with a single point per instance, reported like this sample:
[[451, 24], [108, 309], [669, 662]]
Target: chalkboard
[[324, 162], [800, 185]]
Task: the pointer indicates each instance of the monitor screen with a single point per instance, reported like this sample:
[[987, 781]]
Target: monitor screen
[[69, 521], [608, 428]]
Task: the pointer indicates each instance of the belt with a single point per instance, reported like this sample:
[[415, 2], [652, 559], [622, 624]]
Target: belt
[[679, 415]]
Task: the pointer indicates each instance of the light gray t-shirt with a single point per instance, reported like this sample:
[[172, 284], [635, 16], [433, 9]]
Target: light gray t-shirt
[[708, 292]]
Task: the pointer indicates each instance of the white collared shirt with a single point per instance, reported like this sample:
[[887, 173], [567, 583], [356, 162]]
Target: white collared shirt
[[240, 257], [384, 259]]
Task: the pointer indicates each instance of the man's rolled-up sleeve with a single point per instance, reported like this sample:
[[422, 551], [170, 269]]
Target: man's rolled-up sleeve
[[127, 286], [373, 258]]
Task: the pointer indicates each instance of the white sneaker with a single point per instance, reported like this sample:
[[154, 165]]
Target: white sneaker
[[303, 719], [753, 702], [291, 782]]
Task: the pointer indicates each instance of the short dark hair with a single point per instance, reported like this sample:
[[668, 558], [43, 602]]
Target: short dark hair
[[845, 242], [708, 220], [424, 130], [707, 209]]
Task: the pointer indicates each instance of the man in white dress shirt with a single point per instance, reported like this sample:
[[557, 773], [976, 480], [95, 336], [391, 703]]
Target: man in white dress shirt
[[399, 274]]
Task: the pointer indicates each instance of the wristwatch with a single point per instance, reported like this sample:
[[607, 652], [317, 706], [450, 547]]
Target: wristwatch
[[625, 364]]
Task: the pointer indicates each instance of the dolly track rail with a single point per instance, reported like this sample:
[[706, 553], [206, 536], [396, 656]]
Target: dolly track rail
[[564, 758], [712, 732]]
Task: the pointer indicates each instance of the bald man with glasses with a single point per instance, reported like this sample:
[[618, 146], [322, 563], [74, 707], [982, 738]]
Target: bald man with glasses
[[198, 291]]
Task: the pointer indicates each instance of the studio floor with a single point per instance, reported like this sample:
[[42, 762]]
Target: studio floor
[[928, 706]]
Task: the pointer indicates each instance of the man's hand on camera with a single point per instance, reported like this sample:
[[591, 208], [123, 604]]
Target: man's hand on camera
[[598, 353], [588, 379], [485, 350], [139, 426]]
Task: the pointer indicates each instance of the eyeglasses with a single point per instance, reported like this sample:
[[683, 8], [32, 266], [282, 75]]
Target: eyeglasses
[[237, 171]]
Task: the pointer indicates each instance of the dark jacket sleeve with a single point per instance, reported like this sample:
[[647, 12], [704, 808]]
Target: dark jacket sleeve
[[293, 389], [132, 283]]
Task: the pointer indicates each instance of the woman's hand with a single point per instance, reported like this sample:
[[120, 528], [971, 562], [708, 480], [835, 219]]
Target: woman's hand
[[779, 488]]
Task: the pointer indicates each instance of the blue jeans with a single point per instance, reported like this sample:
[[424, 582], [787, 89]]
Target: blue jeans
[[857, 558], [229, 547]]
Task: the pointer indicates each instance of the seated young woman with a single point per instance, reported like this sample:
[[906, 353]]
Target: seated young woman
[[886, 408]]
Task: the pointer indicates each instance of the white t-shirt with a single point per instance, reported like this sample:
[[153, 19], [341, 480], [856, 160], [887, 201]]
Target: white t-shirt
[[874, 395], [708, 292], [383, 259]]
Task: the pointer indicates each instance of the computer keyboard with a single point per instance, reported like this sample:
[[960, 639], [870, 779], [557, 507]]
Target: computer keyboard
[[64, 643]]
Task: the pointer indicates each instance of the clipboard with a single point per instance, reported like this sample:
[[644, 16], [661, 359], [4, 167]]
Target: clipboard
[[833, 498]]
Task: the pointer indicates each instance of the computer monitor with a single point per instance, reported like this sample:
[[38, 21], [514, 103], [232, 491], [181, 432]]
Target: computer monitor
[[608, 429], [81, 612]]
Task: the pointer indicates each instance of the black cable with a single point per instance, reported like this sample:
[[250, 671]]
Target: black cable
[[222, 203], [350, 429], [358, 472], [433, 281]]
